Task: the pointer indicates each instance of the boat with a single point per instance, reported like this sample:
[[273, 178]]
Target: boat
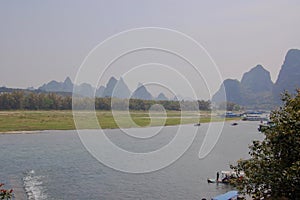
[[255, 116], [234, 124], [264, 126], [230, 115], [227, 196], [211, 180], [198, 124], [225, 177]]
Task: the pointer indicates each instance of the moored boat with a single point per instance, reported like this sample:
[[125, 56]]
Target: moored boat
[[225, 177], [255, 116], [227, 196], [264, 126], [211, 180]]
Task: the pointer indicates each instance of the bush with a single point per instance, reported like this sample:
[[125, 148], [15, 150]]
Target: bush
[[5, 194], [273, 170]]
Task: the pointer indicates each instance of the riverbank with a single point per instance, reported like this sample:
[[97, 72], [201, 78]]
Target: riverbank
[[33, 121]]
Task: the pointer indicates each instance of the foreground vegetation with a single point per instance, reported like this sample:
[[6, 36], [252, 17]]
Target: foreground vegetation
[[23, 120], [5, 194], [273, 171]]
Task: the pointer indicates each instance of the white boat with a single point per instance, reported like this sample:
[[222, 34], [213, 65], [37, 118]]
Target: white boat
[[255, 116], [225, 177]]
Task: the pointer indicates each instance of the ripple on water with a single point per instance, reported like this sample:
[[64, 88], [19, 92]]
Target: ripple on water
[[33, 186]]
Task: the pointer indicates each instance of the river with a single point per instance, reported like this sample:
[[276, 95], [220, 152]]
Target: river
[[55, 165]]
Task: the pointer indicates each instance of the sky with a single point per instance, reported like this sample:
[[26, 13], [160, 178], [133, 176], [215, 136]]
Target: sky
[[48, 40]]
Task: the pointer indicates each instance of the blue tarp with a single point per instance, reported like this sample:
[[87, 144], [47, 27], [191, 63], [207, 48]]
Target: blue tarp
[[226, 196]]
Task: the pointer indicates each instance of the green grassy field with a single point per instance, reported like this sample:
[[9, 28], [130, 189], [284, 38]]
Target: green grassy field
[[63, 120]]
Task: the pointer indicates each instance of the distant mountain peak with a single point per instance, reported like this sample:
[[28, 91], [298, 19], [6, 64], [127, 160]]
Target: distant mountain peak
[[55, 86], [116, 88], [258, 66], [121, 81], [140, 85], [256, 88], [161, 97], [110, 87], [256, 69], [100, 91], [112, 79], [68, 80], [142, 93], [232, 89], [292, 57], [254, 84], [289, 75], [257, 80], [121, 90]]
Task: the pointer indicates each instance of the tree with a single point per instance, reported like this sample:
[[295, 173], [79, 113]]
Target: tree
[[204, 105], [16, 100], [32, 102], [5, 194], [229, 106], [273, 170]]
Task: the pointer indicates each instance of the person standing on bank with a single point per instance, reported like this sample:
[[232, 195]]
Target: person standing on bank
[[217, 177]]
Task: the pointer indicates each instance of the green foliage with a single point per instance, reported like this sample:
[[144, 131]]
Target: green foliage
[[18, 100], [229, 106], [204, 105], [273, 171], [5, 194]]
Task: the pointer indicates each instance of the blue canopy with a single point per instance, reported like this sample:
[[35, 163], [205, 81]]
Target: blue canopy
[[226, 196]]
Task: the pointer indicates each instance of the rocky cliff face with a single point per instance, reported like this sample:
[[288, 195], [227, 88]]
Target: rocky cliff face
[[232, 90], [257, 80], [256, 88], [289, 75]]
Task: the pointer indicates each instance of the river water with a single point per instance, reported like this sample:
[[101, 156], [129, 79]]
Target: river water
[[55, 165]]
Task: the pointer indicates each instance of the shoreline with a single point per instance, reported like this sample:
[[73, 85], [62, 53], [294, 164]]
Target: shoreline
[[57, 130], [25, 132]]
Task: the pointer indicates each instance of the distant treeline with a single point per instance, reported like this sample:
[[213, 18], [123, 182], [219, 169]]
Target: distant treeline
[[19, 100]]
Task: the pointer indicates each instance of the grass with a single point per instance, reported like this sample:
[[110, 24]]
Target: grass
[[35, 120], [63, 120]]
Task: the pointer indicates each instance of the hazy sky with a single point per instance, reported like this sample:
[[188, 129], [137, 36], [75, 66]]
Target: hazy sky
[[45, 40]]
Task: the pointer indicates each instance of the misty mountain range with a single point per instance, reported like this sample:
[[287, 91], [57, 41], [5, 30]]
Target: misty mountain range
[[114, 88], [256, 90]]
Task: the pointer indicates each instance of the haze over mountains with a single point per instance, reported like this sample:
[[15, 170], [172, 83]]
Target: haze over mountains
[[114, 88], [256, 90]]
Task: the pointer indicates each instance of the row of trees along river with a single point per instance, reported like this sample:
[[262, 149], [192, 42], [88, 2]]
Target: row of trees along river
[[19, 100]]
